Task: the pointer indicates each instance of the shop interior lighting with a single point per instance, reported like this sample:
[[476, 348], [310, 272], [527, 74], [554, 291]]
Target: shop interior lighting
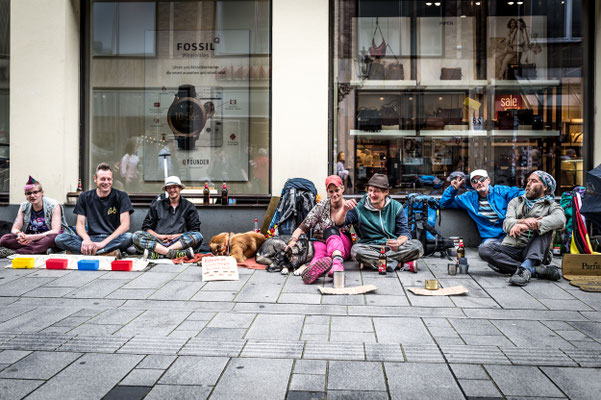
[[382, 98], [437, 4], [519, 3], [477, 3], [510, 3], [429, 4]]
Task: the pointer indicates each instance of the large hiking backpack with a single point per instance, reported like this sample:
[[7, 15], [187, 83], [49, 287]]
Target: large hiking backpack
[[297, 199], [422, 215]]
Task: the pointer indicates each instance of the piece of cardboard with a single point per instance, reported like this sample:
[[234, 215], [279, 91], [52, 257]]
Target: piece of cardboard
[[577, 266], [348, 290], [221, 268], [450, 291]]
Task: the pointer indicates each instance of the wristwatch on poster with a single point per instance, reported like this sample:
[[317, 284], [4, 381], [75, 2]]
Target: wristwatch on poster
[[186, 117]]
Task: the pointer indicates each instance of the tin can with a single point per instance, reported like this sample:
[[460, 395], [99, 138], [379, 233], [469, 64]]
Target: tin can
[[431, 284], [338, 279], [463, 268], [452, 268]]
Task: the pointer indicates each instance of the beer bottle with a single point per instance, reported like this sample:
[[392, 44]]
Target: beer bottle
[[224, 196], [382, 261], [257, 225], [557, 244], [460, 251], [79, 186], [206, 194]]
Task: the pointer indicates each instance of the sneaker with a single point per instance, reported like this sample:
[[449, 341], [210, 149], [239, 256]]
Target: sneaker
[[316, 270], [410, 266], [5, 252], [188, 253], [153, 255], [548, 258], [521, 277], [114, 253], [131, 250], [549, 272]]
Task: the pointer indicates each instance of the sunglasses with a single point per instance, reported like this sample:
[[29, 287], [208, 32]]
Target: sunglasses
[[32, 192], [478, 180]]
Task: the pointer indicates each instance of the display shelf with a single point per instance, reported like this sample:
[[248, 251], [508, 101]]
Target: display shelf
[[383, 133], [525, 132], [453, 133], [390, 85], [513, 144], [452, 84], [524, 82]]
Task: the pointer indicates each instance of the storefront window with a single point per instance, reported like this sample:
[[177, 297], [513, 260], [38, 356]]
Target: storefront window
[[4, 93], [428, 88], [181, 87]]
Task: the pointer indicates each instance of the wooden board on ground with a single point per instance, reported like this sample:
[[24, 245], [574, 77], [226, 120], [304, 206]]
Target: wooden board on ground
[[450, 291], [273, 204], [221, 268], [104, 261], [348, 290], [583, 271]]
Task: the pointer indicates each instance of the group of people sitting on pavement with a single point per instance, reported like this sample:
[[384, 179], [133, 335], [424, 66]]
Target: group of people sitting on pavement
[[516, 225]]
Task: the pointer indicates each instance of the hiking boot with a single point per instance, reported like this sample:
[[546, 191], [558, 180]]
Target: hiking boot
[[114, 253], [316, 270], [548, 258], [188, 253], [153, 255], [5, 252], [549, 272], [410, 266], [521, 277]]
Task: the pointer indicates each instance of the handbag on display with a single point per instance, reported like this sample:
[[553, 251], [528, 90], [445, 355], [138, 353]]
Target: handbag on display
[[450, 74], [389, 115], [395, 72], [521, 71], [434, 123], [368, 119], [379, 50], [376, 72]]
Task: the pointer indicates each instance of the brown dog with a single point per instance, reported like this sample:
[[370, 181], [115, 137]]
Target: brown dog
[[238, 245]]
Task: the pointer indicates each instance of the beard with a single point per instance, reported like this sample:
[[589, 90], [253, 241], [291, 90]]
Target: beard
[[534, 193]]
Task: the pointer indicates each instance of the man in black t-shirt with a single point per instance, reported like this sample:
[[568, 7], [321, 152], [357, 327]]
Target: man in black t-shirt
[[106, 212]]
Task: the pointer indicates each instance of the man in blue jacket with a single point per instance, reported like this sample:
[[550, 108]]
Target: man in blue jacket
[[486, 205], [380, 221]]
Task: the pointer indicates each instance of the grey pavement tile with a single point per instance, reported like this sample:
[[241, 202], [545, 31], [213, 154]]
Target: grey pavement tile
[[214, 295], [572, 335], [474, 302], [317, 319], [534, 315], [131, 294], [487, 340], [273, 349], [97, 289], [88, 312], [522, 381], [474, 290], [480, 389], [115, 317], [347, 300], [49, 291], [352, 324], [590, 328], [422, 312], [72, 321], [23, 285], [82, 378], [585, 357], [96, 330], [558, 325], [177, 290], [75, 304], [311, 367], [153, 345], [449, 341], [341, 336], [474, 355], [221, 333], [576, 383], [429, 301], [314, 337], [171, 268], [231, 320], [423, 353], [40, 365], [178, 392], [214, 347], [357, 395], [586, 344], [188, 325], [402, 330], [375, 299], [192, 370], [227, 286], [76, 278], [177, 305], [300, 298], [308, 382], [156, 361], [36, 341], [438, 332], [469, 371], [242, 374], [530, 334], [574, 304], [121, 275], [412, 381], [537, 356], [256, 292], [515, 297], [150, 280], [36, 320], [292, 309], [315, 329], [383, 352], [95, 344], [286, 327], [200, 316], [142, 377], [14, 310], [474, 327], [154, 322], [12, 356], [17, 388], [48, 273], [122, 392], [548, 290], [353, 375], [334, 351]]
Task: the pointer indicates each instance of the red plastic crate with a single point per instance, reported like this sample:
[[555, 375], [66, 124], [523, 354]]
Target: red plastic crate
[[122, 265], [57, 263]]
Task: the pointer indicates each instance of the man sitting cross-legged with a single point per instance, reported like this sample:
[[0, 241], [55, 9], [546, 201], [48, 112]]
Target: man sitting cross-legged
[[171, 227], [529, 224]]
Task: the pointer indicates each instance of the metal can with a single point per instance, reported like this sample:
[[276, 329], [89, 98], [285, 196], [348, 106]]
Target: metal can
[[431, 284], [338, 279], [452, 268]]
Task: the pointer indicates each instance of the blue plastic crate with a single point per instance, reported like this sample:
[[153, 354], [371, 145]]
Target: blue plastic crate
[[88, 265]]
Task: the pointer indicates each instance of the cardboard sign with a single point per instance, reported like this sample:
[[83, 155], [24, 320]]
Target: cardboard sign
[[219, 269], [450, 291], [583, 270], [348, 290]]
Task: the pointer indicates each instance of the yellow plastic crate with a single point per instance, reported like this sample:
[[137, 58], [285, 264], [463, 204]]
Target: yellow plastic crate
[[23, 262]]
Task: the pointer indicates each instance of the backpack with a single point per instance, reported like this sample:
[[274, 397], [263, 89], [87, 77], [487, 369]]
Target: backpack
[[297, 199], [422, 215]]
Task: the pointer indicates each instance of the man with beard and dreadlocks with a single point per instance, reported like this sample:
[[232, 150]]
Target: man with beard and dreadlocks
[[529, 224]]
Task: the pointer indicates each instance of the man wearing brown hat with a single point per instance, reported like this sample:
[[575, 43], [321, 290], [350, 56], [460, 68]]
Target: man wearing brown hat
[[171, 227], [380, 221]]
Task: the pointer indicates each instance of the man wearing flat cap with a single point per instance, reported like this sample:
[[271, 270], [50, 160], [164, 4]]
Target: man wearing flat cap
[[486, 205], [529, 224], [171, 228], [380, 221]]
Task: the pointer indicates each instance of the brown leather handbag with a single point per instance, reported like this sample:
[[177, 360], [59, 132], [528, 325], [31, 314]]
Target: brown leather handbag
[[450, 74], [394, 72]]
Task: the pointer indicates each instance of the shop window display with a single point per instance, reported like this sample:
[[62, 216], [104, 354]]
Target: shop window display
[[4, 93], [494, 87]]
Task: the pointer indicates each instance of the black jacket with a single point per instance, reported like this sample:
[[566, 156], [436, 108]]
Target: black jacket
[[165, 220]]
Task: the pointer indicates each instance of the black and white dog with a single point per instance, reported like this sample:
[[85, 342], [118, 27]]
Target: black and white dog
[[273, 254]]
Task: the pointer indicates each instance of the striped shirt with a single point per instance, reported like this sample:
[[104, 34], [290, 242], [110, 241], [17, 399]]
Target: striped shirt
[[486, 210]]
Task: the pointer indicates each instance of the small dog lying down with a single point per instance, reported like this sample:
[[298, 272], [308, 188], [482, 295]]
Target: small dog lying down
[[239, 245], [273, 255]]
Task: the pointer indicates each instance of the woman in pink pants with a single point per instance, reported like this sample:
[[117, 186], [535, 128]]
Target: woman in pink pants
[[332, 245]]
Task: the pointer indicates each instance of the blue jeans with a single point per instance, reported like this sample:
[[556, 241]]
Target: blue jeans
[[73, 243]]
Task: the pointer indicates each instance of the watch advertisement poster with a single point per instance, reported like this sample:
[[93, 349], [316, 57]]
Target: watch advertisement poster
[[196, 119]]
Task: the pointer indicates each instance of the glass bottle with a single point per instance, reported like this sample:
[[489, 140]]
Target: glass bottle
[[382, 261], [206, 194], [224, 195]]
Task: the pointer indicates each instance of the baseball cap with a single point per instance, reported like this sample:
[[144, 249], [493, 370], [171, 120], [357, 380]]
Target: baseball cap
[[479, 172], [333, 180]]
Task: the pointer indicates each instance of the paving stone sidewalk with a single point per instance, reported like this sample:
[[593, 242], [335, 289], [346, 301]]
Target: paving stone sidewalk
[[164, 334]]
